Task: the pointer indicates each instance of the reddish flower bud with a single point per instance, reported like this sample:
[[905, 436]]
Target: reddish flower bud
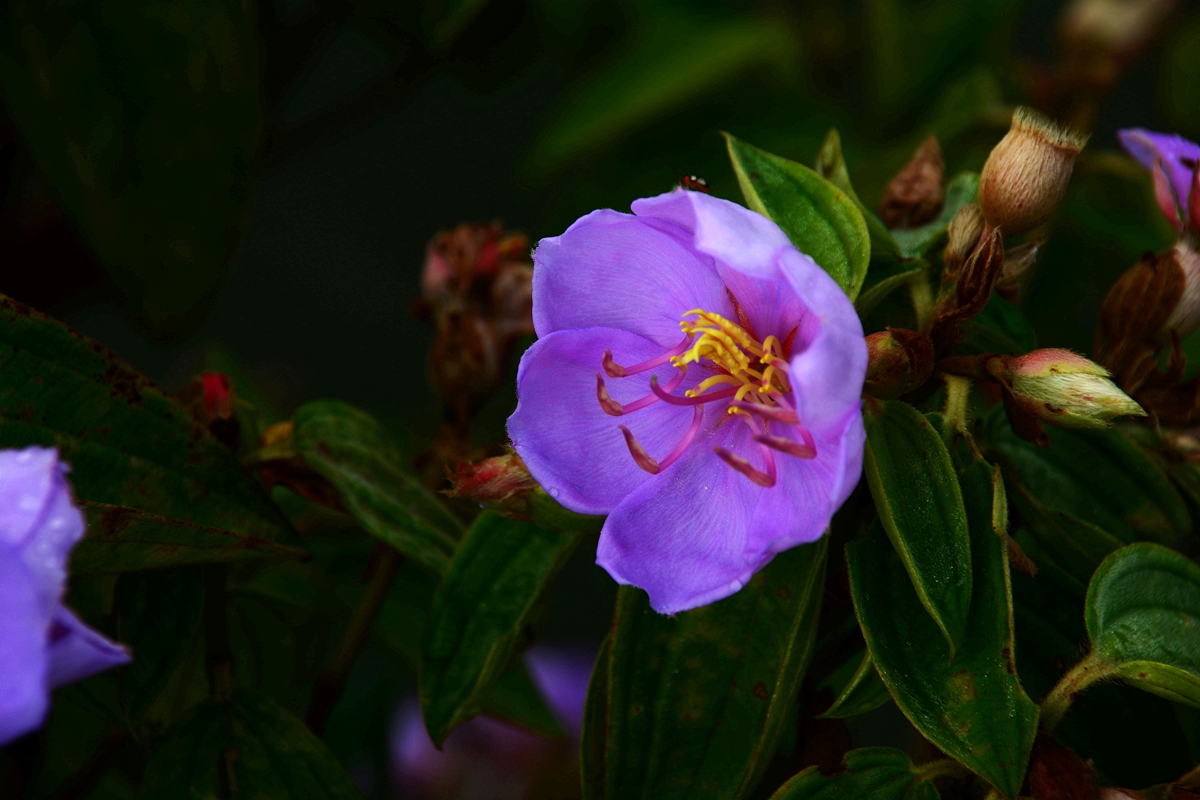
[[898, 361], [218, 401], [1063, 388], [1025, 176], [501, 483], [916, 194]]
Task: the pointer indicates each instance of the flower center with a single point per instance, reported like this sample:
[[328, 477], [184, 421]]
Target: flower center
[[751, 380]]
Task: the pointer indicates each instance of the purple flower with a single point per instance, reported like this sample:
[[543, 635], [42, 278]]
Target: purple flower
[[709, 453], [1172, 161], [484, 758], [42, 644]]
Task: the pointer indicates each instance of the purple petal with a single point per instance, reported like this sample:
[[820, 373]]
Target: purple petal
[[799, 507], [571, 447], [829, 358], [614, 270], [27, 478], [562, 675], [77, 652], [741, 239], [23, 629], [684, 540], [1179, 156]]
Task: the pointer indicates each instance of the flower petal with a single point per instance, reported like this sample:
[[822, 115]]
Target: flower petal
[[739, 238], [570, 445], [617, 271], [27, 478], [829, 360], [799, 507], [23, 628], [1179, 156], [77, 652], [683, 537]]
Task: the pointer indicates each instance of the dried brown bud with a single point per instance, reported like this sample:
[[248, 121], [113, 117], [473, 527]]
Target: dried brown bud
[[1025, 176], [962, 236], [966, 290], [916, 194], [1185, 319], [1018, 260], [1057, 773], [898, 361]]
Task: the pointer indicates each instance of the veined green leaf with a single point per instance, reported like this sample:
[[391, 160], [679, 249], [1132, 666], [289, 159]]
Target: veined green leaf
[[831, 165], [157, 489], [247, 749], [1076, 546], [1143, 615], [874, 295], [479, 612], [859, 692], [819, 218], [694, 704], [920, 505], [360, 458], [1100, 477], [871, 773], [972, 707]]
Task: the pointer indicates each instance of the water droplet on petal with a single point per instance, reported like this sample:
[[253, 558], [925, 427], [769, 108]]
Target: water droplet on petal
[[736, 585], [554, 493]]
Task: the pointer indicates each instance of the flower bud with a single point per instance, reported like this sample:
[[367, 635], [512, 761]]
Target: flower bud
[[501, 483], [898, 361], [962, 235], [1185, 319], [1025, 176], [917, 193], [1063, 388]]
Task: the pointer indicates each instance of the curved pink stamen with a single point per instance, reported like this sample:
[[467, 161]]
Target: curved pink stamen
[[648, 462], [615, 370], [615, 409], [785, 445], [770, 413], [662, 394], [765, 479]]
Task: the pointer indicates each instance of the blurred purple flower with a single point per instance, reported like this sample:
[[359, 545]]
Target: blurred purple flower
[[740, 441], [489, 760], [1171, 160], [42, 644]]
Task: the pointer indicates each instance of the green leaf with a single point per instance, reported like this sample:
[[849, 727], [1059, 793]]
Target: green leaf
[[248, 749], [145, 119], [920, 505], [871, 773], [819, 218], [1075, 546], [159, 615], [999, 328], [546, 512], [157, 489], [360, 458], [672, 62], [860, 690], [919, 242], [479, 614], [875, 294], [1143, 612], [695, 703], [831, 165], [1099, 477], [972, 707]]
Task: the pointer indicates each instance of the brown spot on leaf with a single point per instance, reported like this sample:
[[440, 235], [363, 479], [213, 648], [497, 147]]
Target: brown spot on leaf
[[760, 691]]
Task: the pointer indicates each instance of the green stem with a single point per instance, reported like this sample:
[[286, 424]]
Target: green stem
[[329, 686], [1091, 669], [922, 300], [945, 768]]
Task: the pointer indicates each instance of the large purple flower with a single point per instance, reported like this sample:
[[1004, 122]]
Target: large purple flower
[[42, 644], [697, 379], [1171, 160]]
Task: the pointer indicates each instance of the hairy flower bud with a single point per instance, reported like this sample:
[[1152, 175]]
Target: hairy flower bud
[[898, 361], [1025, 176], [1063, 388], [501, 483], [916, 194], [964, 232]]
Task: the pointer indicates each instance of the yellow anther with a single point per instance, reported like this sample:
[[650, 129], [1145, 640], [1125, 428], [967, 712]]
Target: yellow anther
[[755, 368]]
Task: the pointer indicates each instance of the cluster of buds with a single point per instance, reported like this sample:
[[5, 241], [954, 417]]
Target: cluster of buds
[[1156, 303], [477, 289], [1049, 385], [1022, 183]]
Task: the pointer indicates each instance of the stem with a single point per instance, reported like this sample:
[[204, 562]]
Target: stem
[[329, 686], [1088, 671], [922, 300], [219, 655], [945, 768]]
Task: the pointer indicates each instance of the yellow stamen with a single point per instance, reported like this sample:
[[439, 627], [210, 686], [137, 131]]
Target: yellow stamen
[[755, 368]]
